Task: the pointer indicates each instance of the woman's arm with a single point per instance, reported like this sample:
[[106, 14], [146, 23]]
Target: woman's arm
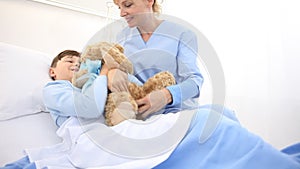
[[188, 73]]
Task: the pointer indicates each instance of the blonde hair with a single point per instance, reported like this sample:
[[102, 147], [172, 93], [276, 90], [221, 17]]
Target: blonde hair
[[155, 7]]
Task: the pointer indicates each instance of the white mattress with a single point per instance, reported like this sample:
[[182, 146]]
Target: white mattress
[[25, 132]]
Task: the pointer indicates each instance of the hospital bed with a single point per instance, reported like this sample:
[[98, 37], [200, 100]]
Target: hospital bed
[[25, 124], [23, 120]]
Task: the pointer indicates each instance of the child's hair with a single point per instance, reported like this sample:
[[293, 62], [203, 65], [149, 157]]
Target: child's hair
[[61, 55]]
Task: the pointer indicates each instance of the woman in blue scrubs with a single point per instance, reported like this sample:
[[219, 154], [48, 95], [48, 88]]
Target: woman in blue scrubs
[[155, 45]]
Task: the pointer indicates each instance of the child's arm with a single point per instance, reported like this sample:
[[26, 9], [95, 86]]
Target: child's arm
[[62, 100]]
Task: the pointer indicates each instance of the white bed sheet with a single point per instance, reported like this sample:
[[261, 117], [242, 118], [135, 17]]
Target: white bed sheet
[[25, 132]]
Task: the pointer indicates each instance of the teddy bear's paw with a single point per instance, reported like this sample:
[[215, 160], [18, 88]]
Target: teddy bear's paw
[[124, 111], [119, 107], [119, 47], [79, 78], [159, 81], [110, 62], [117, 53], [114, 118], [126, 66], [136, 91]]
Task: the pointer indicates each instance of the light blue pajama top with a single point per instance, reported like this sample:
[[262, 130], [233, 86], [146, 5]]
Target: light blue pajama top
[[173, 48], [63, 100]]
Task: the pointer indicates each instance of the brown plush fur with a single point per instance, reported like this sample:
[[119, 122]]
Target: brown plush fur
[[157, 82], [113, 100], [96, 52]]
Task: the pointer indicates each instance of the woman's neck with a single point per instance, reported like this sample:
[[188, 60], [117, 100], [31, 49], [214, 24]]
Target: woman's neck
[[147, 29]]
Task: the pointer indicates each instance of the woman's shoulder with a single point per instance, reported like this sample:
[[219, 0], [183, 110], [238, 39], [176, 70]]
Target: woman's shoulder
[[174, 28], [124, 34]]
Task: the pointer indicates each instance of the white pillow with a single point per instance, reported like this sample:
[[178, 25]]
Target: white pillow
[[24, 73]]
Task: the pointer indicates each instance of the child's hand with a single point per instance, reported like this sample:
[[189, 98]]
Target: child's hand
[[104, 70]]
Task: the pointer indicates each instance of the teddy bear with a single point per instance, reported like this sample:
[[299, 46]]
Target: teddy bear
[[119, 106], [114, 115], [96, 54]]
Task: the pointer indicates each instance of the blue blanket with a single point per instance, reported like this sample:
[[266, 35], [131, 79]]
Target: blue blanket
[[227, 146]]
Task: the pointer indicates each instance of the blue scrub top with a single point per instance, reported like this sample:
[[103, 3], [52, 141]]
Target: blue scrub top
[[171, 48]]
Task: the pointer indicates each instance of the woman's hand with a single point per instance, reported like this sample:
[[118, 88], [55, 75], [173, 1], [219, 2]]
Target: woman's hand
[[153, 102], [117, 80]]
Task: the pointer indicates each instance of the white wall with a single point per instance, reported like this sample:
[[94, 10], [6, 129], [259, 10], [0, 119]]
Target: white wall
[[258, 44], [45, 28], [256, 41]]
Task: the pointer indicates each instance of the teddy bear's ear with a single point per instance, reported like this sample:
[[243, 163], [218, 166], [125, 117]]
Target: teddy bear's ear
[[85, 53], [118, 46]]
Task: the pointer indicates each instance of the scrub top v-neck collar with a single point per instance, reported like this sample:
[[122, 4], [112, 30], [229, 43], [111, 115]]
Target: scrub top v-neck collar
[[141, 41]]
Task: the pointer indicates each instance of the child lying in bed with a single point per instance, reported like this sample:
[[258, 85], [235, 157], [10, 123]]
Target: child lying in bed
[[60, 95], [227, 145]]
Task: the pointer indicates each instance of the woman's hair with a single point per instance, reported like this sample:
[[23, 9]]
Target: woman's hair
[[63, 54], [155, 7]]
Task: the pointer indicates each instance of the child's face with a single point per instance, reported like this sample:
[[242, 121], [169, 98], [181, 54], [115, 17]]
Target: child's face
[[65, 68]]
